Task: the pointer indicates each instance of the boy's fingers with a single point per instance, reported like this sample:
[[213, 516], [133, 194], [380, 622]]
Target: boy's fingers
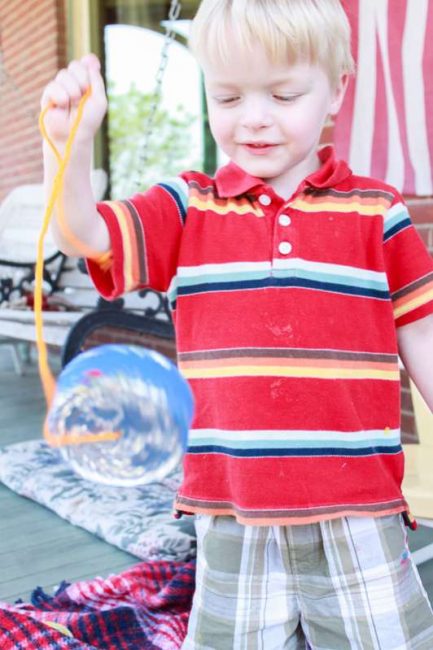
[[91, 61], [55, 94], [80, 73], [96, 81], [93, 66], [70, 84]]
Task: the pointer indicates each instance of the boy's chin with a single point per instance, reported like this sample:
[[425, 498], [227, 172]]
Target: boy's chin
[[264, 175], [257, 168]]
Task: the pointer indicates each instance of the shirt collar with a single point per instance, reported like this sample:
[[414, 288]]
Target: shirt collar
[[231, 180]]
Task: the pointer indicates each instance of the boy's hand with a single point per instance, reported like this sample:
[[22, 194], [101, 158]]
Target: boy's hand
[[65, 92]]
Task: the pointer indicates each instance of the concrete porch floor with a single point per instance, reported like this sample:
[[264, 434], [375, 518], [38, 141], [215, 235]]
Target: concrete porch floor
[[38, 548]]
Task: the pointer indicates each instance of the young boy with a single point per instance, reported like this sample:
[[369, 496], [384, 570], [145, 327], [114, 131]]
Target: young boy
[[294, 284]]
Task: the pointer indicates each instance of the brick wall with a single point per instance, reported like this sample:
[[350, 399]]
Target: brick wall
[[33, 47], [421, 210]]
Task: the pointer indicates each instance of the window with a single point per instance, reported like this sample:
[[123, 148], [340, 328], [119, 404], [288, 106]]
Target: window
[[133, 40]]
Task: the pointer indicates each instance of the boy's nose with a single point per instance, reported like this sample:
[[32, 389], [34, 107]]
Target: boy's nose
[[256, 115]]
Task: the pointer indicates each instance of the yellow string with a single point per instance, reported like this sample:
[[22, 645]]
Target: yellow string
[[104, 260]]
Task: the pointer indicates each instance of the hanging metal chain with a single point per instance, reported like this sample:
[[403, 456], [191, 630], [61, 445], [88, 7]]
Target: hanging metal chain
[[169, 37]]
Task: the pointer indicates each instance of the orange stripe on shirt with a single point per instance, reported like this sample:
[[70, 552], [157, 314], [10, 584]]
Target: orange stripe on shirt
[[413, 300], [129, 241], [284, 362]]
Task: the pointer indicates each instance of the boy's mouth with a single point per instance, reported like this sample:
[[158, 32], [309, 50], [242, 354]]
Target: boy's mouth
[[259, 147]]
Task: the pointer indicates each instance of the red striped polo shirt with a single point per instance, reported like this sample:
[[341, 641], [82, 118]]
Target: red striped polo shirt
[[285, 314]]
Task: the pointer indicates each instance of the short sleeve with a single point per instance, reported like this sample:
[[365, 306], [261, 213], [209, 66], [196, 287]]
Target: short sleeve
[[408, 264], [145, 233]]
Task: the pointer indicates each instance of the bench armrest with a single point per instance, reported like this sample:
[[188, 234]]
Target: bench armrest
[[13, 284]]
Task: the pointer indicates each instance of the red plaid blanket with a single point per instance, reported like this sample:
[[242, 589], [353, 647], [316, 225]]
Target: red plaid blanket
[[146, 607]]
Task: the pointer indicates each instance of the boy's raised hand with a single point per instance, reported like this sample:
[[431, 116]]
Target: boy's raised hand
[[65, 92]]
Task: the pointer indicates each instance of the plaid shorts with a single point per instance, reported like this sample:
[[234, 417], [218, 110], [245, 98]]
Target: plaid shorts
[[345, 584]]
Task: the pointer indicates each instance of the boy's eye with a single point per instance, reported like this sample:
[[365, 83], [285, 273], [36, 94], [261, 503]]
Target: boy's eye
[[227, 100], [286, 98]]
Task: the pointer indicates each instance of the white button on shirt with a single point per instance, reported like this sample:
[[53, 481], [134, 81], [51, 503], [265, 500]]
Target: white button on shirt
[[284, 220], [264, 199], [285, 247]]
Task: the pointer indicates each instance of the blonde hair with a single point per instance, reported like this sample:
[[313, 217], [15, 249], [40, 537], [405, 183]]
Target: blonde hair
[[316, 31]]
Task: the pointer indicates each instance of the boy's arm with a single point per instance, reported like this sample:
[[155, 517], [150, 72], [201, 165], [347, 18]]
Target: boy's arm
[[415, 342], [79, 209]]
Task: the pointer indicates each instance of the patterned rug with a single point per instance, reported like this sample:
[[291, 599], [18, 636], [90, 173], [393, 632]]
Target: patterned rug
[[138, 520]]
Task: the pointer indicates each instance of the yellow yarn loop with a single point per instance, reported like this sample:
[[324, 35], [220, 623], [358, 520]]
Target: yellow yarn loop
[[104, 260]]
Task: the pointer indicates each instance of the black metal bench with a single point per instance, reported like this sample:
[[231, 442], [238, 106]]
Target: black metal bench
[[75, 317]]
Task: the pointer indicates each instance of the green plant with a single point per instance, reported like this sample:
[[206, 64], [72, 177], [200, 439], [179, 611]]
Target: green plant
[[169, 149]]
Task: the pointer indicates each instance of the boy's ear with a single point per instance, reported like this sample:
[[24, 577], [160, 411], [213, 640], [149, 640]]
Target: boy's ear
[[339, 93]]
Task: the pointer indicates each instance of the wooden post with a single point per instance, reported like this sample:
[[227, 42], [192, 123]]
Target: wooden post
[[85, 32]]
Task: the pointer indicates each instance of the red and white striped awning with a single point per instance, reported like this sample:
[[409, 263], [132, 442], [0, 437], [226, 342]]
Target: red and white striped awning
[[385, 127]]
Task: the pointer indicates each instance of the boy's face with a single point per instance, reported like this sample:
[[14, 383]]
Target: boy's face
[[267, 117]]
